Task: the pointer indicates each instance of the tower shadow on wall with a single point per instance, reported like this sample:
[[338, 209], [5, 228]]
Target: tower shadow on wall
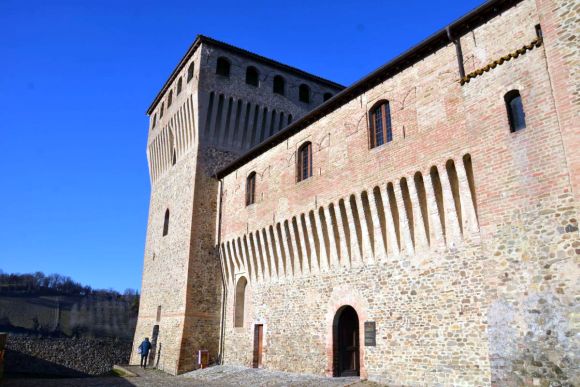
[[155, 352], [158, 356]]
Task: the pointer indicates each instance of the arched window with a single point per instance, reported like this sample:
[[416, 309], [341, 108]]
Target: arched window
[[252, 76], [166, 223], [154, 120], [279, 85], [380, 124], [515, 110], [304, 161], [223, 67], [190, 71], [170, 98], [239, 302], [251, 189], [327, 96], [304, 93], [161, 110], [179, 86]]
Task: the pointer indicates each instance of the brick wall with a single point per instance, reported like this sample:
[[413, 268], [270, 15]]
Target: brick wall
[[471, 282]]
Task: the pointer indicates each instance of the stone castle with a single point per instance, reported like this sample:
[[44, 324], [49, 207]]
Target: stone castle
[[418, 227]]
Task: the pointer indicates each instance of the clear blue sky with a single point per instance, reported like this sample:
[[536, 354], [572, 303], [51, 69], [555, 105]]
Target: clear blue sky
[[77, 76]]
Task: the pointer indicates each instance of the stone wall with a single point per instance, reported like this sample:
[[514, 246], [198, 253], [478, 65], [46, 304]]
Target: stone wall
[[469, 272], [463, 316], [197, 134], [63, 357], [458, 238]]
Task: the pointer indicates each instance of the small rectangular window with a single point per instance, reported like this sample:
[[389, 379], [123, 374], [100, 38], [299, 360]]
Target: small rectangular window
[[251, 189], [515, 110]]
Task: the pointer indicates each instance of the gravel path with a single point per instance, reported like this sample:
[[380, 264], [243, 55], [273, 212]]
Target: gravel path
[[219, 376], [242, 376]]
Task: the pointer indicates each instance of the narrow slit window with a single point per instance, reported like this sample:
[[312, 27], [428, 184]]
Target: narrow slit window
[[166, 223], [179, 86], [515, 110], [380, 124], [305, 161], [170, 98], [251, 189]]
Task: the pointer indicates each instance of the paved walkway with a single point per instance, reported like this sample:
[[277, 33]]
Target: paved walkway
[[242, 376], [222, 376]]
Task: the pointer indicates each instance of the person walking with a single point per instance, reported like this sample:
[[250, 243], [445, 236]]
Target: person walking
[[144, 349]]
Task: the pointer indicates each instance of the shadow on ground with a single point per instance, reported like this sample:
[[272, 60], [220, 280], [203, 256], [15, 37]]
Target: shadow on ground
[[27, 365]]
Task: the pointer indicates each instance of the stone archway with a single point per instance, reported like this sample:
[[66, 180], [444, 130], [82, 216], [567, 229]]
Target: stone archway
[[341, 298], [346, 342]]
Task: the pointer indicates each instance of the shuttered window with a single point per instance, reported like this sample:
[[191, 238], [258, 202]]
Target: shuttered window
[[305, 161], [251, 189], [380, 124]]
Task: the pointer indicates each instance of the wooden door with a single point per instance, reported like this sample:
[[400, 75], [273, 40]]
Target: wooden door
[[348, 343], [258, 344]]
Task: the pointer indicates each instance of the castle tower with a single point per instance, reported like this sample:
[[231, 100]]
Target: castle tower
[[219, 102]]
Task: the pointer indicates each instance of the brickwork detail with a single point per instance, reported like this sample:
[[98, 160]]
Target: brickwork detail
[[367, 234]]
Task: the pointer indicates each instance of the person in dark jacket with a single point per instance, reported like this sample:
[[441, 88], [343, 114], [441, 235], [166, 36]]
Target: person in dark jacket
[[144, 349]]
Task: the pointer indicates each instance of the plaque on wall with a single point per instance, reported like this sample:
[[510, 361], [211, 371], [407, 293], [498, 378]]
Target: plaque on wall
[[370, 334]]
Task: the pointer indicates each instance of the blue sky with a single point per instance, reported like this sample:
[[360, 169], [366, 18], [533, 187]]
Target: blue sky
[[77, 76]]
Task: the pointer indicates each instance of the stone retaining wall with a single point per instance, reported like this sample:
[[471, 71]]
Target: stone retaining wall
[[65, 357]]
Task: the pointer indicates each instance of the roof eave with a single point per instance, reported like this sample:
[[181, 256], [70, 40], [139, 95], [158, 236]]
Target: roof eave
[[239, 51], [428, 46]]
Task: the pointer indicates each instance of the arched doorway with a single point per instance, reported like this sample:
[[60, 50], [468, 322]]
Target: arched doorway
[[346, 350]]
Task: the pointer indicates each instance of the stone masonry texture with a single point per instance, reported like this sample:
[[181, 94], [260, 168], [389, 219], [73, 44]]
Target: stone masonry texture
[[458, 238], [63, 357]]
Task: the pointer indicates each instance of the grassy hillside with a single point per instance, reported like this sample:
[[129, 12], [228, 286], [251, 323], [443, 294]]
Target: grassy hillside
[[57, 306], [86, 316]]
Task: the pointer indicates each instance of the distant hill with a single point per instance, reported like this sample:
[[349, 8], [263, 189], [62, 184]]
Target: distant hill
[[56, 305]]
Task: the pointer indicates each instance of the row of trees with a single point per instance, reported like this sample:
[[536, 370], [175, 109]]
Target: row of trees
[[55, 284]]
